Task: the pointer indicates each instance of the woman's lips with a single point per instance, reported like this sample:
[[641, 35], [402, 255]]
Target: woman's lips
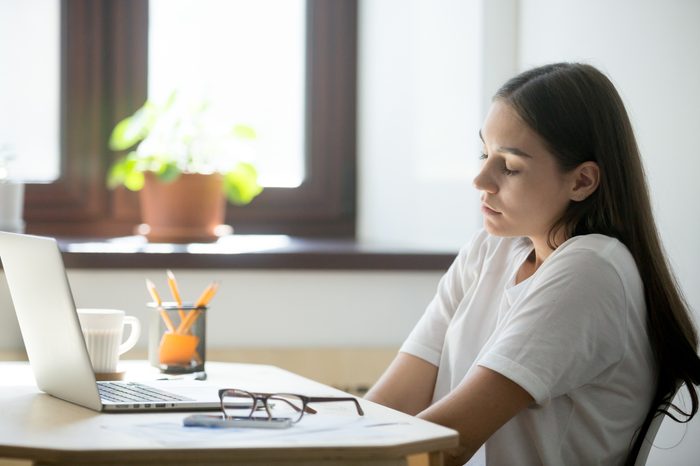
[[486, 210]]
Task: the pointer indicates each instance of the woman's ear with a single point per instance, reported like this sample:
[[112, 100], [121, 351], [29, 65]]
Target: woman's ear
[[586, 178]]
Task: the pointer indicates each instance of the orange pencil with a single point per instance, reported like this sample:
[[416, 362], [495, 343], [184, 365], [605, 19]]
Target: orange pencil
[[156, 298]]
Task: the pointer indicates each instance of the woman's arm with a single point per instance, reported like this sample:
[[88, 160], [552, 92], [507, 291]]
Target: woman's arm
[[476, 408], [407, 385]]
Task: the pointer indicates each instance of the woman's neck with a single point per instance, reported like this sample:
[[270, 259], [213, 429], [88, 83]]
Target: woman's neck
[[540, 252], [541, 244]]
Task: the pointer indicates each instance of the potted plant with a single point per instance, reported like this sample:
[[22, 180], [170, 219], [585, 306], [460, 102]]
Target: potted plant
[[185, 162]]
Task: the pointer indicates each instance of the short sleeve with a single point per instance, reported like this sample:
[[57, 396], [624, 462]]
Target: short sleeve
[[428, 336], [566, 330]]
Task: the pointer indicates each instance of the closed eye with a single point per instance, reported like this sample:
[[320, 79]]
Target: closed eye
[[505, 170]]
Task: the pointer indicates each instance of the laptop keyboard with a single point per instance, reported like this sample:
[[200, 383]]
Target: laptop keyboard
[[131, 392]]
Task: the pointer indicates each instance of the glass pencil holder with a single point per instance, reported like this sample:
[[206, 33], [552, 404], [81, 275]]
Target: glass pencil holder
[[177, 338]]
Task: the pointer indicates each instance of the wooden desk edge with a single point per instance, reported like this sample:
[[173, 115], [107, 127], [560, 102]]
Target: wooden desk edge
[[434, 449]]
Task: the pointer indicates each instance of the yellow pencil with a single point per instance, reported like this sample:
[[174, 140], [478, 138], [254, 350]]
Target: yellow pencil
[[203, 300], [207, 294], [172, 283], [156, 298], [185, 324]]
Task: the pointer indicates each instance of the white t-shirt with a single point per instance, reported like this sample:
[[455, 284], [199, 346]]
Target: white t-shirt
[[573, 335]]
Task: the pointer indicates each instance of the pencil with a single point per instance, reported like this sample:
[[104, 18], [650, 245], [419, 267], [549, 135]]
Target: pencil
[[156, 298], [203, 300], [172, 283], [207, 294]]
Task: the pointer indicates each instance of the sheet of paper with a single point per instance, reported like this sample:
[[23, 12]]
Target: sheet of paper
[[318, 428]]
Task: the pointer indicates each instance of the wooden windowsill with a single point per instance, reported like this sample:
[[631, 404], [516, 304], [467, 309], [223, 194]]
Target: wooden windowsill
[[251, 252]]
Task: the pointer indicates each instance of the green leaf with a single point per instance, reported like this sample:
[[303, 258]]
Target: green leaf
[[241, 184], [127, 171], [168, 172], [117, 173], [120, 138], [134, 180], [244, 132], [134, 128]]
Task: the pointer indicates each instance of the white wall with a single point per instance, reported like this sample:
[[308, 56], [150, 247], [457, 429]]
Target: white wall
[[420, 112], [283, 308]]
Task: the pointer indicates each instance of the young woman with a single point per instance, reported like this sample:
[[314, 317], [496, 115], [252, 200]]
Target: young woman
[[559, 330]]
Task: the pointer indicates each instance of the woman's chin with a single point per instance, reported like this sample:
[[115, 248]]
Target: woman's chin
[[492, 228]]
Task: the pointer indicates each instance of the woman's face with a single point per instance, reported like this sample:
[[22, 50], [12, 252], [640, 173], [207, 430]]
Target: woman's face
[[523, 191]]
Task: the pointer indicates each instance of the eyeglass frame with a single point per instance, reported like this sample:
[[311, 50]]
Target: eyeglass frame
[[263, 397]]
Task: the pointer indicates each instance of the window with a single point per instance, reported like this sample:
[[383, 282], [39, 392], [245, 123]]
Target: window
[[104, 63]]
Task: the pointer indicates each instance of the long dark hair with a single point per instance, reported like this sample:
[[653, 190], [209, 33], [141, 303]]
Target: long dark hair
[[580, 115]]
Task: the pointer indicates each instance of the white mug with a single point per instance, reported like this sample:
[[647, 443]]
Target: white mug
[[103, 330]]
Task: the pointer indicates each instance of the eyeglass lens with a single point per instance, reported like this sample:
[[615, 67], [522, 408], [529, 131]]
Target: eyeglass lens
[[239, 403]]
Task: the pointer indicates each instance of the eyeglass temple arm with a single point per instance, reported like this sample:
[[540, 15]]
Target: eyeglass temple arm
[[321, 399]]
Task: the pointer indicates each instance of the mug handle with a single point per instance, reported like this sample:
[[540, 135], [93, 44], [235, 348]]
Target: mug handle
[[133, 334]]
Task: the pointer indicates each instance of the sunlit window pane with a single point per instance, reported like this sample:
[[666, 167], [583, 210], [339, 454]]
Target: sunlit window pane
[[247, 57], [29, 88]]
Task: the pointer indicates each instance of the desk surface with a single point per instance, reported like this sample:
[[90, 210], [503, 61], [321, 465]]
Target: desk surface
[[34, 425]]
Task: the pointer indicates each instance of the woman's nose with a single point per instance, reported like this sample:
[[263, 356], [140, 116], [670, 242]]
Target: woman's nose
[[483, 182]]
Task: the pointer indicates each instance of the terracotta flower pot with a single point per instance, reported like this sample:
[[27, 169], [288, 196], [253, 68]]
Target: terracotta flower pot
[[189, 209]]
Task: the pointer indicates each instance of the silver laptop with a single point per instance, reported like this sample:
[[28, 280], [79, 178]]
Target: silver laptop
[[55, 345]]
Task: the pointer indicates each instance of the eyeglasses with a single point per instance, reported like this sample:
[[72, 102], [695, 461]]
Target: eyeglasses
[[240, 403]]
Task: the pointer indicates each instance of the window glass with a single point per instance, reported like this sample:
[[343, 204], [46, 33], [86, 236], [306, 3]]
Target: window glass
[[29, 88], [247, 59]]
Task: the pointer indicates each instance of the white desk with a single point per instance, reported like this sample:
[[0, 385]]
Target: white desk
[[47, 430]]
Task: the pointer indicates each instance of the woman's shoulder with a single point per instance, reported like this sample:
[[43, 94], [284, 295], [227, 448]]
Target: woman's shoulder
[[597, 247], [592, 241], [597, 253]]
